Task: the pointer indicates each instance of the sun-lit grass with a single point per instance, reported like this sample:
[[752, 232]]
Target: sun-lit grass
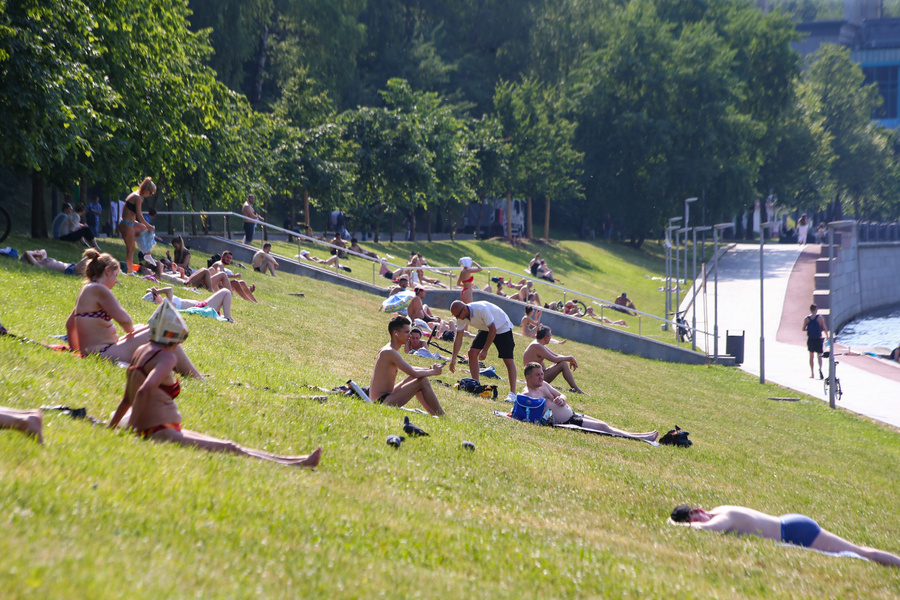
[[532, 512]]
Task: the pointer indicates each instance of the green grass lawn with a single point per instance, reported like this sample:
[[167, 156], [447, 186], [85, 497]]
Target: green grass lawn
[[532, 512]]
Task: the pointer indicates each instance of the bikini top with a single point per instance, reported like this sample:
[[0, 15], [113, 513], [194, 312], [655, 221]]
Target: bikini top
[[131, 206], [469, 280], [171, 390], [97, 314]]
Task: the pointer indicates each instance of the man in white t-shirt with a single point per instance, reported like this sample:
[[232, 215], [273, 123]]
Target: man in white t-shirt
[[494, 327]]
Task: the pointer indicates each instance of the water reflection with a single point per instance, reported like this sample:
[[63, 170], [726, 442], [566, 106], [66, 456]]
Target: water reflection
[[882, 330]]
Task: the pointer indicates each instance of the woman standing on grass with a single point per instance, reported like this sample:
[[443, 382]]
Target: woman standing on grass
[[151, 389], [90, 327], [133, 221], [466, 279]]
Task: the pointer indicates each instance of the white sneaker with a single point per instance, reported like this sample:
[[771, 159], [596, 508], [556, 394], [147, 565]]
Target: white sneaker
[[511, 397]]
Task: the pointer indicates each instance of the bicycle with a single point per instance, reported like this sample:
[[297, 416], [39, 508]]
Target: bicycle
[[838, 392], [683, 331], [5, 224]]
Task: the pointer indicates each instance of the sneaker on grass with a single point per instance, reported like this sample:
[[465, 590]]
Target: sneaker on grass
[[511, 397]]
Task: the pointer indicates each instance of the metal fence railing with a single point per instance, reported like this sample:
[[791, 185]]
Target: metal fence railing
[[207, 218]]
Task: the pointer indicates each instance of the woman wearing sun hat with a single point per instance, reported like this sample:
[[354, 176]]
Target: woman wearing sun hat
[[151, 389]]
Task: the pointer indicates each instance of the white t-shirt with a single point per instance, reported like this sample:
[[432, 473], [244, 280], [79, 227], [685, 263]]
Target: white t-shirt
[[483, 314]]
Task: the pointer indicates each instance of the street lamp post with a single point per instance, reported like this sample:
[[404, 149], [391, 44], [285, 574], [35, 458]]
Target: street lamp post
[[677, 307], [694, 287], [716, 230], [669, 230], [762, 333], [687, 218]]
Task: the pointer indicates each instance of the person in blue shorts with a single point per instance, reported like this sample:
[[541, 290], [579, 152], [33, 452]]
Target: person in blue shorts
[[795, 529]]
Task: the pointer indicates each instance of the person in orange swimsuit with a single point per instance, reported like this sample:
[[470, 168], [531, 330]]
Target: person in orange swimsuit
[[466, 279], [151, 389]]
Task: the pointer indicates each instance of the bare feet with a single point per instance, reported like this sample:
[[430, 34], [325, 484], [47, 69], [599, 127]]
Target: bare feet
[[650, 437], [34, 425]]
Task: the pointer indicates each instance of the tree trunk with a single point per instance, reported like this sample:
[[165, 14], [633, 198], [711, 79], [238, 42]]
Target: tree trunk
[[82, 191], [509, 215], [452, 226], [412, 225], [306, 211], [54, 201], [38, 214], [428, 219], [260, 66], [478, 222], [391, 232], [529, 232], [547, 219]]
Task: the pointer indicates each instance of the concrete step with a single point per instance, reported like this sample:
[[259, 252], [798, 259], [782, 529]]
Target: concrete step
[[822, 266], [822, 299], [822, 280]]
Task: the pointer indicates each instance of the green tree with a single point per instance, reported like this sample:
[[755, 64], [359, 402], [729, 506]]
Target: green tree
[[542, 158], [860, 150]]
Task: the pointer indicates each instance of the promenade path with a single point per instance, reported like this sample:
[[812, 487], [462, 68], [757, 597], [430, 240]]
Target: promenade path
[[871, 386]]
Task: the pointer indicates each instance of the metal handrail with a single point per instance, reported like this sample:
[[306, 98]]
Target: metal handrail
[[300, 236]]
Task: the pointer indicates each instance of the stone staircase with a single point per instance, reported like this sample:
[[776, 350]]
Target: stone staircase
[[821, 293]]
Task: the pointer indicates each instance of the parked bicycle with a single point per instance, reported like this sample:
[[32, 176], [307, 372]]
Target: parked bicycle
[[683, 331], [838, 392], [5, 224]]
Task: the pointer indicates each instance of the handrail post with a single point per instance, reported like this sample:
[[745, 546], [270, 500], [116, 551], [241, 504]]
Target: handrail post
[[227, 228]]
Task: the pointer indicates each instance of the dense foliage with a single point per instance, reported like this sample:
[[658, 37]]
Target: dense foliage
[[386, 108]]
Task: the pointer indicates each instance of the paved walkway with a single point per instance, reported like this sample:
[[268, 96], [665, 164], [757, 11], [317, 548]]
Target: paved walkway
[[871, 386]]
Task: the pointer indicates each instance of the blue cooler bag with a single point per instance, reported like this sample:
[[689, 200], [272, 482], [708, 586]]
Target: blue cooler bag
[[528, 409]]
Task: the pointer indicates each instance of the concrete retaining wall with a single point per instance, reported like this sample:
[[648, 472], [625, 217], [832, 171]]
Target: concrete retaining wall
[[865, 277], [565, 326]]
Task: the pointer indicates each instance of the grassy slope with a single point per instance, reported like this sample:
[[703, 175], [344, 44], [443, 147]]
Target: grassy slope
[[531, 513]]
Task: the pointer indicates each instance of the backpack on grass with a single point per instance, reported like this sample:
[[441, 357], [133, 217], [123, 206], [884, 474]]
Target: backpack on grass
[[467, 384], [676, 437], [528, 409], [213, 259]]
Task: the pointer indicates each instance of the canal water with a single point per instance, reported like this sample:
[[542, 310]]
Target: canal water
[[874, 330]]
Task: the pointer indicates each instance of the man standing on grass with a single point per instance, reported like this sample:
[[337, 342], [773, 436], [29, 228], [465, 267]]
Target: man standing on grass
[[494, 327], [537, 352], [389, 361], [814, 326], [537, 387], [249, 213]]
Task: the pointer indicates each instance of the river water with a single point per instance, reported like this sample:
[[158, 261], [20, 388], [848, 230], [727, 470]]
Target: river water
[[882, 330]]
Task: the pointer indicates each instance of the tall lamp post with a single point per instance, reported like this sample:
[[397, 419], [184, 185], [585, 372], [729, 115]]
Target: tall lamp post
[[694, 287], [687, 225], [762, 332], [716, 230], [677, 307], [669, 230]]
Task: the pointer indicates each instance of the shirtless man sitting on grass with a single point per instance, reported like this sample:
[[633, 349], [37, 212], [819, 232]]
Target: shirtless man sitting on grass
[[795, 529], [389, 361], [537, 352], [536, 387]]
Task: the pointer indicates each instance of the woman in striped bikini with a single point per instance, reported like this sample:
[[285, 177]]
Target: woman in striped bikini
[[91, 329]]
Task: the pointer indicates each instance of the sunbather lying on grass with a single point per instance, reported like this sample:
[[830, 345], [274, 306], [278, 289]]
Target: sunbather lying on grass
[[535, 387], [220, 301], [151, 389], [795, 529], [39, 258]]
